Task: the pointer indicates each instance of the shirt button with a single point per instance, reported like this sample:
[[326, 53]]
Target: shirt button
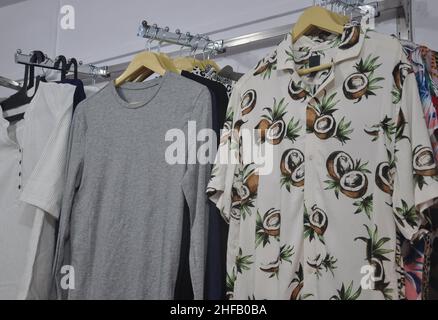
[[19, 174], [19, 162], [19, 187]]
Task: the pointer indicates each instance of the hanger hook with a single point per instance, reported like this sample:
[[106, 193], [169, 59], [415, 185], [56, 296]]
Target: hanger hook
[[205, 49], [165, 30], [154, 37], [187, 41], [195, 47], [46, 57], [146, 35]]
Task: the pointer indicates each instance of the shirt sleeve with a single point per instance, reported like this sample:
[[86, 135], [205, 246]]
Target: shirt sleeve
[[415, 180], [194, 183], [219, 187], [44, 187], [73, 177]]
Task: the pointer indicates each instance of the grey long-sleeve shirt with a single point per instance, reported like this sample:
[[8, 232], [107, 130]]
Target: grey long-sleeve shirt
[[121, 219]]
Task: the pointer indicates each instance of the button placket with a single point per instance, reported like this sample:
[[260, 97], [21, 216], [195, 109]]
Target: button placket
[[20, 168], [312, 251]]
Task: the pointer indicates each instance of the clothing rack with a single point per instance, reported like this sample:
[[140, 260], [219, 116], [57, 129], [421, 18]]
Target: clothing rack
[[85, 69], [401, 10]]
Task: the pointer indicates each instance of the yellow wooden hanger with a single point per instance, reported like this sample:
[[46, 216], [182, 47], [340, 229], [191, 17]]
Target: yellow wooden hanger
[[144, 63], [320, 18], [165, 61], [188, 63]]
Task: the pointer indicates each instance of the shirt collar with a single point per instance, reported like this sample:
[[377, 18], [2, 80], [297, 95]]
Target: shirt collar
[[349, 46]]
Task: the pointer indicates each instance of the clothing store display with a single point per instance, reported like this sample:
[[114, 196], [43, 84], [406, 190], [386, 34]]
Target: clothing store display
[[215, 277], [123, 202], [294, 162], [323, 182], [32, 157]]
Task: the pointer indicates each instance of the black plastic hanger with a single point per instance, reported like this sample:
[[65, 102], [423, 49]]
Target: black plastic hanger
[[37, 57], [61, 60], [73, 62], [21, 98]]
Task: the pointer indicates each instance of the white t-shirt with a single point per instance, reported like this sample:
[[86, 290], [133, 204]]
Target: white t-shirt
[[32, 162]]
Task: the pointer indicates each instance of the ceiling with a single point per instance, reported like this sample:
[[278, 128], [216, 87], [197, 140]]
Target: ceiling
[[4, 3]]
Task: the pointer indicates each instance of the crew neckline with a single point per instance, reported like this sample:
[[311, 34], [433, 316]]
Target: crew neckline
[[158, 82]]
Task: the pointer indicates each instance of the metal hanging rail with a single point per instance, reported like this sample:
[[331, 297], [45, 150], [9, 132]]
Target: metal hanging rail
[[8, 83], [87, 69], [196, 42]]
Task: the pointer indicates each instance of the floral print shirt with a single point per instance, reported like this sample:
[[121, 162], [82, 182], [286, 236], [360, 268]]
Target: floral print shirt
[[351, 166], [416, 261], [424, 62]]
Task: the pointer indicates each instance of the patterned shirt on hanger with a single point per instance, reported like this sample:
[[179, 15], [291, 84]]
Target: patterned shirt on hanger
[[352, 168]]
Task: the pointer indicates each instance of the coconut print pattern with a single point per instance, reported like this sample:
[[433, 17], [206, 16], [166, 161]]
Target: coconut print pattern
[[323, 262], [322, 123], [292, 169], [265, 66], [406, 215], [424, 165], [376, 254], [347, 176], [268, 227], [272, 127], [248, 102], [296, 91], [245, 192], [315, 224], [384, 174], [271, 269], [363, 83], [386, 127], [400, 127], [401, 70], [350, 37], [226, 131], [230, 280], [364, 205], [298, 282]]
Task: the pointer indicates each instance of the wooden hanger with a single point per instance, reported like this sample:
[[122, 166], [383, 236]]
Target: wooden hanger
[[303, 72], [320, 18], [165, 61], [144, 64], [183, 63], [188, 63]]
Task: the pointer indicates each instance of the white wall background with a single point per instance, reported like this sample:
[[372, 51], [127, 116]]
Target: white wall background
[[105, 30]]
